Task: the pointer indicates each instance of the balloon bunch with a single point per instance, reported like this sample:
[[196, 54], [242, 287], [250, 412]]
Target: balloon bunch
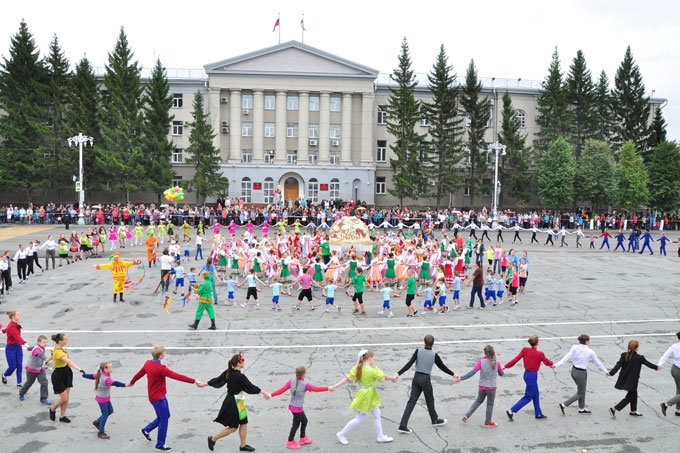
[[174, 194]]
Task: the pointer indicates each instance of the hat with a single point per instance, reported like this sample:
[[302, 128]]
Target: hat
[[116, 255]]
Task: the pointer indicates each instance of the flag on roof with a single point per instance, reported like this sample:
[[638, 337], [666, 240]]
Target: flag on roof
[[277, 24]]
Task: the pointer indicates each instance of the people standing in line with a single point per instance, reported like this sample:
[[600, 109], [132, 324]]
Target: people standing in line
[[424, 358], [50, 252], [4, 272], [516, 237], [532, 358], [673, 351], [489, 368], [35, 370], [580, 356], [156, 373], [62, 377], [21, 257], [563, 236], [579, 235], [477, 282], [63, 245], [233, 414], [14, 352], [366, 401], [605, 241], [630, 363], [102, 387], [298, 387]]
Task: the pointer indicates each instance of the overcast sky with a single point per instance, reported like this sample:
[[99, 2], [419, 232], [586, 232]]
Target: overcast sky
[[506, 39]]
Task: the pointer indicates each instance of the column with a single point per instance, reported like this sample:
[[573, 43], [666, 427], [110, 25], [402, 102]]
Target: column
[[280, 151], [235, 127], [346, 126], [258, 126], [303, 127], [212, 106], [324, 127], [367, 127]]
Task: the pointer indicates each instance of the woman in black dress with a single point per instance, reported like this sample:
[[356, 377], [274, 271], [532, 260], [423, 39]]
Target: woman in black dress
[[630, 364], [228, 416]]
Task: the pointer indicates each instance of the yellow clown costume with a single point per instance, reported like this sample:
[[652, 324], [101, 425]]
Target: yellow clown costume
[[118, 268]]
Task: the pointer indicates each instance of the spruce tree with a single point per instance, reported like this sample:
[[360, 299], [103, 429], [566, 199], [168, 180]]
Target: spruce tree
[[24, 122], [632, 179], [203, 155], [409, 147], [664, 177], [445, 126], [581, 98], [477, 111], [556, 173], [657, 130], [630, 106], [603, 109], [596, 180], [553, 112], [516, 181], [156, 148], [119, 158]]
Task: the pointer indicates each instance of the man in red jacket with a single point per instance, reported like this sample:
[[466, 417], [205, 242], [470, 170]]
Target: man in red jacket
[[156, 373]]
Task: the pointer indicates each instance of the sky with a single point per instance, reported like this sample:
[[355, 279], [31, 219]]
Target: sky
[[506, 39]]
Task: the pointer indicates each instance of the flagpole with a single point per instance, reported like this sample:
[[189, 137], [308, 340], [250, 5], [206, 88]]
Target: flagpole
[[279, 28], [302, 25]]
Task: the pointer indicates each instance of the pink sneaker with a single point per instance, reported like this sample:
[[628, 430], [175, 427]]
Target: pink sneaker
[[305, 440], [292, 445]]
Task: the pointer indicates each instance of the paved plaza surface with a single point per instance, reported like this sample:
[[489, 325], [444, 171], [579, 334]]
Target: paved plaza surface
[[612, 296]]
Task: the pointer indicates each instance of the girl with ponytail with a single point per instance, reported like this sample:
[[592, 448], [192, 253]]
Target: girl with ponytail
[[102, 387], [489, 368], [366, 399], [630, 363]]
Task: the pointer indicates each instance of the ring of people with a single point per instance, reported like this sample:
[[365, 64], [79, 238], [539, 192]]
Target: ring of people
[[564, 348]]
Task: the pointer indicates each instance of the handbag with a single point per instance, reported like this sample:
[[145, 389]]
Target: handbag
[[241, 406]]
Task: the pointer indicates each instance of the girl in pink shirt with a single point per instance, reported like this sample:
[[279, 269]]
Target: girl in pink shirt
[[102, 387]]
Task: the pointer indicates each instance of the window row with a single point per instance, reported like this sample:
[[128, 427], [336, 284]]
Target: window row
[[292, 102], [520, 116], [335, 131], [291, 157], [313, 188]]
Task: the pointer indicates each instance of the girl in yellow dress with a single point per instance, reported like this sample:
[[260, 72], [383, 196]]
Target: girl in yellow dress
[[366, 399]]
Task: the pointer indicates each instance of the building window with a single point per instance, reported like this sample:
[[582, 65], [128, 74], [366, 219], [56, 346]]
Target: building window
[[247, 129], [268, 156], [466, 191], [335, 131], [381, 155], [335, 104], [292, 130], [268, 188], [177, 128], [176, 181], [247, 101], [314, 103], [247, 190], [313, 157], [468, 156], [382, 115], [521, 116], [334, 189], [313, 190], [177, 156], [424, 122], [291, 156], [486, 185], [335, 158], [293, 102], [270, 129], [468, 120], [313, 131], [270, 102], [490, 122], [380, 185], [246, 156], [177, 100]]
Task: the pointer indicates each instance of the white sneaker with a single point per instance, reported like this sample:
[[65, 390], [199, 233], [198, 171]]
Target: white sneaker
[[380, 313], [342, 439], [385, 439]]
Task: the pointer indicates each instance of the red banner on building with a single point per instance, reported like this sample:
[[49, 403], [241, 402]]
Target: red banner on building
[[257, 186], [323, 187]]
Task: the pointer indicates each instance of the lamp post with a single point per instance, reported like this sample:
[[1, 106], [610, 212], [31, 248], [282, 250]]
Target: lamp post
[[356, 195], [495, 146], [79, 140]]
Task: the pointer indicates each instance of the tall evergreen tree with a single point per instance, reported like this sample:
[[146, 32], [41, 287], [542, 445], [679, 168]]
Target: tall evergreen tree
[[24, 124], [553, 112], [657, 131], [581, 98], [409, 147], [603, 109], [477, 112], [445, 126], [664, 177], [119, 158], [63, 161], [596, 181], [517, 182], [632, 179], [556, 173], [156, 148], [82, 117], [203, 155], [630, 106]]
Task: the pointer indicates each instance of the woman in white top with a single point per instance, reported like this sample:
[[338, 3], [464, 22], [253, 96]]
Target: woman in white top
[[673, 351], [20, 257], [580, 355]]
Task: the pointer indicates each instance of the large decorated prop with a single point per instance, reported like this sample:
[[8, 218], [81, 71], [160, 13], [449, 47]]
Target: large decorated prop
[[174, 194], [348, 232]]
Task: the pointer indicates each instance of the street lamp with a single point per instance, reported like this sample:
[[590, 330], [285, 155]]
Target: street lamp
[[495, 146], [79, 140]]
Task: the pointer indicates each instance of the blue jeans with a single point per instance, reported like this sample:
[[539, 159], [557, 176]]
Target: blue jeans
[[531, 393], [199, 251], [15, 357], [478, 291], [162, 409], [107, 409]]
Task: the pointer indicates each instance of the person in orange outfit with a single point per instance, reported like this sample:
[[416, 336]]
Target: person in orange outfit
[[151, 247], [118, 268]]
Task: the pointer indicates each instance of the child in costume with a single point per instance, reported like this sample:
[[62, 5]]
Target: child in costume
[[205, 302], [118, 268]]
